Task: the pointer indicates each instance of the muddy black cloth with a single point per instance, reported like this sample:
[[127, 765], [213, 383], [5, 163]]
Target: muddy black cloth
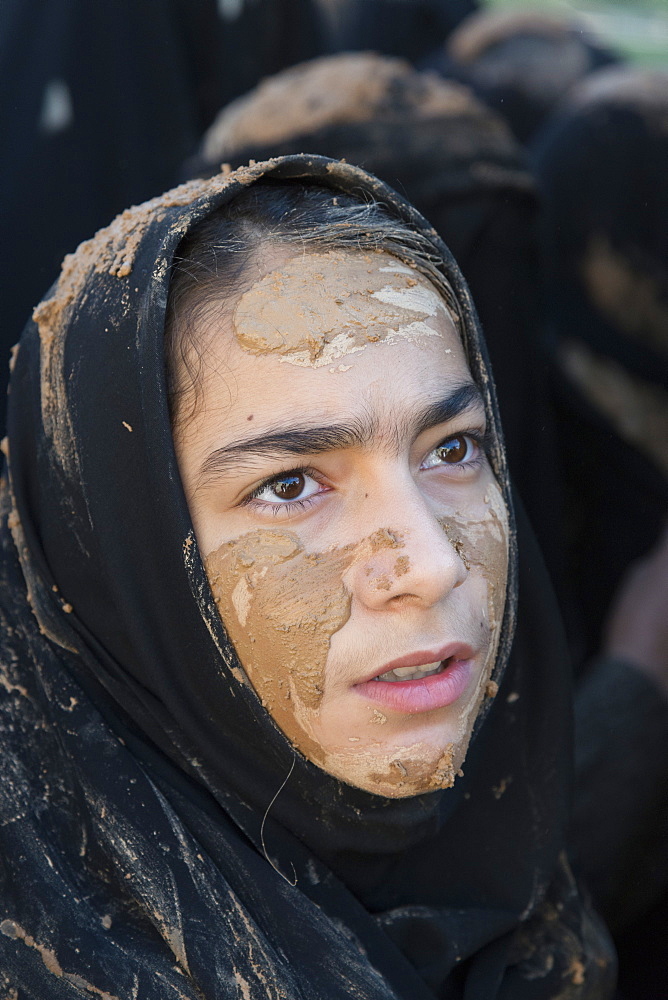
[[138, 770], [619, 831], [601, 166], [457, 162]]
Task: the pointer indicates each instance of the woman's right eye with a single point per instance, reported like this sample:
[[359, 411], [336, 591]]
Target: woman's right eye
[[289, 487]]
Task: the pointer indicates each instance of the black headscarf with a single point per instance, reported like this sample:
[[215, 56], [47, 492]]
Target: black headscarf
[[143, 857]]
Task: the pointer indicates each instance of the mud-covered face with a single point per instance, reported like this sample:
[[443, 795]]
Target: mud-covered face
[[353, 532]]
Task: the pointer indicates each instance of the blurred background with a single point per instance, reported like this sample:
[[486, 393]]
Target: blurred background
[[636, 28]]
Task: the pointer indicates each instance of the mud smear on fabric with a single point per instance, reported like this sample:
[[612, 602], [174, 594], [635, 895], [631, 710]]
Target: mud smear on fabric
[[490, 28], [629, 298], [333, 90], [13, 930], [111, 251], [641, 90], [139, 866]]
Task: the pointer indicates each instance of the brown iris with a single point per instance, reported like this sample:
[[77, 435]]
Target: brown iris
[[453, 450], [288, 487]]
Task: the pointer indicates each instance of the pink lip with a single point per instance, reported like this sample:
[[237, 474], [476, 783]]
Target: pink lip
[[428, 693], [458, 650]]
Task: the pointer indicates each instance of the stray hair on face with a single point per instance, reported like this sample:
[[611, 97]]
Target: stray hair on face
[[213, 264]]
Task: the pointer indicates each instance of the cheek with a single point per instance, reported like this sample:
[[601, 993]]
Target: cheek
[[482, 543], [280, 606]]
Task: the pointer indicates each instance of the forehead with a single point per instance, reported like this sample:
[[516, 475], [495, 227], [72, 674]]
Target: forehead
[[327, 333], [318, 307]]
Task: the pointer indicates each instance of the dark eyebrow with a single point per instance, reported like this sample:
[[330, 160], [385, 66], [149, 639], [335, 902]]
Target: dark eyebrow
[[358, 433]]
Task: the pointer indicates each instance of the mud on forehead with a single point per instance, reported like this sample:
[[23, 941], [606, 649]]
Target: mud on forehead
[[317, 308]]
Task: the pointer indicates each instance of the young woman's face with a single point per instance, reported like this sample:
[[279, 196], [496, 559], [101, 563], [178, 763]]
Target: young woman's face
[[352, 530]]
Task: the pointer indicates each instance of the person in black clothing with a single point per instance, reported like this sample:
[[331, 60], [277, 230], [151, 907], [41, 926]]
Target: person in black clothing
[[259, 595], [601, 166], [522, 63]]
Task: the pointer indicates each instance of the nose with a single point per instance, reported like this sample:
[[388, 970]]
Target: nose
[[410, 562]]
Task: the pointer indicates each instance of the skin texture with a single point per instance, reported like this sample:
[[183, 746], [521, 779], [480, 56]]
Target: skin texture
[[390, 549]]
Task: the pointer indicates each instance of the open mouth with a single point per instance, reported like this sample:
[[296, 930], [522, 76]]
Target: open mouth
[[421, 683], [414, 673]]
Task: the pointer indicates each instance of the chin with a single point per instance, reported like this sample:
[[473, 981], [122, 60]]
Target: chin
[[403, 768]]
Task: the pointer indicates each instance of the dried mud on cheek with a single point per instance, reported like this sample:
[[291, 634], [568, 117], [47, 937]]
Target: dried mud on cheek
[[280, 606], [483, 543]]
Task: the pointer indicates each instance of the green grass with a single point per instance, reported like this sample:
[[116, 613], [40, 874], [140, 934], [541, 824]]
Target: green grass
[[637, 29]]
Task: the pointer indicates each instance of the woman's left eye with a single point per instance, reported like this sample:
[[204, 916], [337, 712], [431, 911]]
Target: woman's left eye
[[461, 449], [289, 487]]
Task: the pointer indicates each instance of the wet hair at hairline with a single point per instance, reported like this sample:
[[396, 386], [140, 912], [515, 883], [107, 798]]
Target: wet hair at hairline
[[212, 264]]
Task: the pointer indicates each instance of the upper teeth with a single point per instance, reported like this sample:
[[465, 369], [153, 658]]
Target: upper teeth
[[410, 673]]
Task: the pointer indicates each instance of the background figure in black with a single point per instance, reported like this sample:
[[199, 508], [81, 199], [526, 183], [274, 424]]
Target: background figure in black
[[457, 161], [393, 27], [103, 101], [602, 167], [520, 62]]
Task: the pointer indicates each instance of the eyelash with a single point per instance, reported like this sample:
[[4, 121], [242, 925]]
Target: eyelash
[[480, 439], [291, 506], [288, 506]]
